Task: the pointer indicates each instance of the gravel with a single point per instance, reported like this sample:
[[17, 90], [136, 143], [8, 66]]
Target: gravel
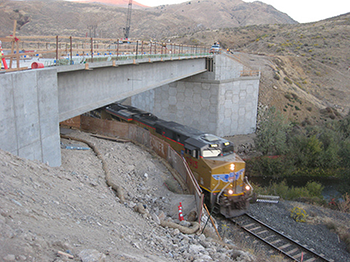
[[314, 233], [52, 214]]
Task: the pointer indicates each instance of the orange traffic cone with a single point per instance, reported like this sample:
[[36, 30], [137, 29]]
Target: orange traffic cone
[[3, 58]]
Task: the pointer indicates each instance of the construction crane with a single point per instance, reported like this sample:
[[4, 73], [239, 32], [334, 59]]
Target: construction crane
[[128, 20]]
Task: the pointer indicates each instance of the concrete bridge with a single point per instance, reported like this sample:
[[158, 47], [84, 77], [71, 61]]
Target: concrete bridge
[[213, 90]]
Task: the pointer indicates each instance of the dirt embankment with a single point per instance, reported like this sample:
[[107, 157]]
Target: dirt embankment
[[71, 214]]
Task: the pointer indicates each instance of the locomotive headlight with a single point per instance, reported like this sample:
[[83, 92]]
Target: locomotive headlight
[[230, 191], [247, 187], [232, 167]]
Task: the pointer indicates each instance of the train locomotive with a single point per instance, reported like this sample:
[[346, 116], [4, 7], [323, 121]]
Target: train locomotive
[[219, 171]]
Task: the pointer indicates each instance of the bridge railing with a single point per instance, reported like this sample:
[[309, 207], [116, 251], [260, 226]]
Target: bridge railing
[[67, 50]]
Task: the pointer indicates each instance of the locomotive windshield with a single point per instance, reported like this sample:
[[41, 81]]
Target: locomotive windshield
[[227, 150], [209, 152], [215, 146]]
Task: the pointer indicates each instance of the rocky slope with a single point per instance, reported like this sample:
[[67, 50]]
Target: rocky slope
[[305, 67], [70, 214], [70, 18]]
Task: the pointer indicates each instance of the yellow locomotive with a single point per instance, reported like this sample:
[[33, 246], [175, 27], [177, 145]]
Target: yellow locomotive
[[217, 168]]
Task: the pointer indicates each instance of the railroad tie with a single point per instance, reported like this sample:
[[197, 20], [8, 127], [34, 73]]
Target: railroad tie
[[284, 246], [276, 241], [261, 232], [292, 251], [269, 237], [255, 228], [310, 259]]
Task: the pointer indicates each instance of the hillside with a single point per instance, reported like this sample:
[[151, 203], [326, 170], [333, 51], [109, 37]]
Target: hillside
[[208, 14], [304, 66], [119, 3], [70, 18]]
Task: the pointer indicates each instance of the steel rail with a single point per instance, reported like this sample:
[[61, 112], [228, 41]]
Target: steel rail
[[279, 234]]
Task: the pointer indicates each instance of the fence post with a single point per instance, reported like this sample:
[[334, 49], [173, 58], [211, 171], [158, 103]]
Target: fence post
[[71, 50], [117, 48], [56, 50], [137, 48], [17, 53], [92, 50]]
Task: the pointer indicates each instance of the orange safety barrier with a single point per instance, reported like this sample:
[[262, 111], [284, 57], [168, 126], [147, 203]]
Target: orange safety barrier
[[3, 58], [37, 65]]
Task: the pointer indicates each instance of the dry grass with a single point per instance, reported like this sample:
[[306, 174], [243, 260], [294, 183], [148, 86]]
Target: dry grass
[[344, 206], [342, 230], [340, 227]]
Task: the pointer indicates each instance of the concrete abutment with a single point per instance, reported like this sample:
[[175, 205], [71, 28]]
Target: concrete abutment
[[221, 102]]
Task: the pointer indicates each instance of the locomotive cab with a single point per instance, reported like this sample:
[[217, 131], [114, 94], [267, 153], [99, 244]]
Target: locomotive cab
[[220, 173]]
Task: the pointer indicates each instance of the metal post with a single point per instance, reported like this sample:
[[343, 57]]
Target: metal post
[[56, 50], [137, 48], [71, 50], [17, 53], [117, 49], [92, 50]]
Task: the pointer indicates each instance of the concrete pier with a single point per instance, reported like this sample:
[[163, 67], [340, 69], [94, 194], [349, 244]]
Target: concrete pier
[[222, 102], [29, 115]]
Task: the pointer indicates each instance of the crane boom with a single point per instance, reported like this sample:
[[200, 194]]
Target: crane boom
[[128, 20]]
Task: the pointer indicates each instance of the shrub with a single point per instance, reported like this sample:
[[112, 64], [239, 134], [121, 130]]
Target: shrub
[[315, 189], [288, 80], [272, 133], [344, 205], [310, 193], [288, 96], [269, 167], [298, 214]]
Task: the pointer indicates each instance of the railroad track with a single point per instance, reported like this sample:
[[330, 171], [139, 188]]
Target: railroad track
[[286, 246]]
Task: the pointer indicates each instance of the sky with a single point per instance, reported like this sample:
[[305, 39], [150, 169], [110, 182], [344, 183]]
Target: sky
[[302, 11]]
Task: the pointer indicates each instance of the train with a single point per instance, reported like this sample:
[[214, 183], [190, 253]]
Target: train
[[219, 171]]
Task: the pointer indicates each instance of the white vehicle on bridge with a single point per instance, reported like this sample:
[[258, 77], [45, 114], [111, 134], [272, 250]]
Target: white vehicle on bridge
[[215, 49]]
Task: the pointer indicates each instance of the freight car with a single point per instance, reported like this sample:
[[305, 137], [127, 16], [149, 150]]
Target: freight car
[[220, 172]]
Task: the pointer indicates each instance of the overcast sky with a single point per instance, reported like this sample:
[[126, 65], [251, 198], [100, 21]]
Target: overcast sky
[[303, 11]]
